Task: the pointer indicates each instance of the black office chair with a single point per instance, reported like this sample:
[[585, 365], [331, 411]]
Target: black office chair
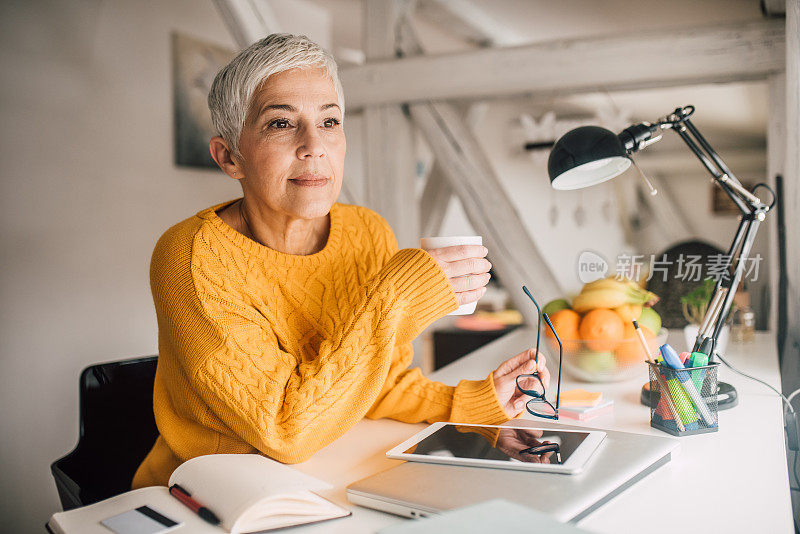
[[117, 430]]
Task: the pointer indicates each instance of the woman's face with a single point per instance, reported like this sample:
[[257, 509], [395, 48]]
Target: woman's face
[[293, 144]]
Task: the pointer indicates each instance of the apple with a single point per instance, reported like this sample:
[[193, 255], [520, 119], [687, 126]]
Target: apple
[[555, 305], [650, 319], [596, 362]]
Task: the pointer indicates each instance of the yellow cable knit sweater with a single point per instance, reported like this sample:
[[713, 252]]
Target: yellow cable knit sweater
[[272, 353]]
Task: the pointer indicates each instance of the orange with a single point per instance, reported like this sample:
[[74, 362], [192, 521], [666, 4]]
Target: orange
[[630, 351], [630, 331], [566, 324], [602, 329]]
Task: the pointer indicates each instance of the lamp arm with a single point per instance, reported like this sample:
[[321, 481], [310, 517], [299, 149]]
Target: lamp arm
[[707, 147], [716, 315], [752, 208], [711, 164], [679, 121], [746, 201], [750, 226]]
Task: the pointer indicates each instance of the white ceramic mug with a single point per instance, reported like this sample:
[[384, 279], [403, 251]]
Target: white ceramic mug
[[429, 243]]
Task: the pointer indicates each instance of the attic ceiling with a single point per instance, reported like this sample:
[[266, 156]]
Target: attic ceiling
[[731, 115]]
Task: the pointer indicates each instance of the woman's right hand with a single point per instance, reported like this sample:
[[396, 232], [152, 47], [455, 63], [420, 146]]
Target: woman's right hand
[[467, 269]]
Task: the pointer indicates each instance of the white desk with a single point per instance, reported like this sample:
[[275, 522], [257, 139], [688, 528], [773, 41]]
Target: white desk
[[734, 480]]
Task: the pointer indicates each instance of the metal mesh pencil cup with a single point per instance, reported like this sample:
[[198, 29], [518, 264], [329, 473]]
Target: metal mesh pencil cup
[[684, 401]]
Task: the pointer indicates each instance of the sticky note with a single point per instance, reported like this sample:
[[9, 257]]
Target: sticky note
[[580, 397]]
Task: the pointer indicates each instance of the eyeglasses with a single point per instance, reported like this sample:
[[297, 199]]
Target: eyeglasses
[[544, 448], [539, 405]]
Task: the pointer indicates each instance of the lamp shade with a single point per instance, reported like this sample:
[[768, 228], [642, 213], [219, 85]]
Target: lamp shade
[[586, 156]]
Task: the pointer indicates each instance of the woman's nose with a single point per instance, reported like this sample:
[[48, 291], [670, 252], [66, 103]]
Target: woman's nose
[[311, 145]]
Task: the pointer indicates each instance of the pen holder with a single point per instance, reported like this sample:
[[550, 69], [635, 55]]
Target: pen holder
[[684, 401]]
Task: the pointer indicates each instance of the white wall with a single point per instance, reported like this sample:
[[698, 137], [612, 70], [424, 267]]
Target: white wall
[[88, 185], [526, 183]]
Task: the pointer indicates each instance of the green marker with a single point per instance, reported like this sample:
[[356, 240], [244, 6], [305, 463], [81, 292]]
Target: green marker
[[681, 400], [698, 359]]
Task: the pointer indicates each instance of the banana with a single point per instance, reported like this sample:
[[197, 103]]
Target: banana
[[629, 312], [599, 298], [610, 298], [613, 293], [612, 283]]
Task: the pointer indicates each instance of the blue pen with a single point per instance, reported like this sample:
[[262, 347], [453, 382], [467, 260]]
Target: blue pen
[[672, 359]]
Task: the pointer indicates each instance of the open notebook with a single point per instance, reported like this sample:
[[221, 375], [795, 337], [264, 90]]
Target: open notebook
[[248, 492]]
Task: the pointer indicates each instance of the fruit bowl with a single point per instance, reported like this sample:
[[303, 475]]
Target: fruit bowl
[[607, 360]]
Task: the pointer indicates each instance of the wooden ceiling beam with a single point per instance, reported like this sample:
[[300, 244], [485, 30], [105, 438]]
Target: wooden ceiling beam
[[683, 56], [469, 21], [247, 20]]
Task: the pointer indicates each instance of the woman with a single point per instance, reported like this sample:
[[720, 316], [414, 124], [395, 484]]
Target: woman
[[284, 317]]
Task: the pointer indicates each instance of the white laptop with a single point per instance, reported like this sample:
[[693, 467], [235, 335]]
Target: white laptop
[[415, 489]]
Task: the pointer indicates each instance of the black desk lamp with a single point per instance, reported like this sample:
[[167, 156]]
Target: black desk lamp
[[591, 155]]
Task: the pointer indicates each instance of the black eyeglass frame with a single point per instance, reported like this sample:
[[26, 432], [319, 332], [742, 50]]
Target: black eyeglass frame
[[544, 448], [540, 397]]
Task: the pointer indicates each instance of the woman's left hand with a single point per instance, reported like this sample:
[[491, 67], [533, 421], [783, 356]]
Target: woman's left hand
[[505, 380]]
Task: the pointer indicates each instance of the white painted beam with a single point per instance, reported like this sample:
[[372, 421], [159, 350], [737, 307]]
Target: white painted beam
[[459, 156], [684, 56], [514, 255], [389, 185], [436, 195], [390, 173], [247, 20], [434, 202], [669, 215], [469, 21]]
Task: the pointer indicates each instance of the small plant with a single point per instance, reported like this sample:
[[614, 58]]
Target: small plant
[[695, 303]]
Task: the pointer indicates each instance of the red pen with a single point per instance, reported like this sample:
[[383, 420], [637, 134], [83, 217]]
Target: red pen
[[186, 498]]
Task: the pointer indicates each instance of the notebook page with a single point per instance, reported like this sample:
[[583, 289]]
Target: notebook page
[[282, 512], [86, 520], [228, 484]]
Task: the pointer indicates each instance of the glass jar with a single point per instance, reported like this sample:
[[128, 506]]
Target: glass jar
[[743, 327]]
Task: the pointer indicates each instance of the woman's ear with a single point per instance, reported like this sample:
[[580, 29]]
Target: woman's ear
[[221, 153]]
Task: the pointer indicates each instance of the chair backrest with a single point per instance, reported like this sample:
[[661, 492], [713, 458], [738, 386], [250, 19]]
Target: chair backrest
[[117, 430]]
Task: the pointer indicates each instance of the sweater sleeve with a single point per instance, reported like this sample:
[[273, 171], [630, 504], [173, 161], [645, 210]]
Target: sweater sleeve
[[409, 396], [284, 407]]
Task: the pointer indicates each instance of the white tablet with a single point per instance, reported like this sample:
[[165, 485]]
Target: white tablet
[[504, 447]]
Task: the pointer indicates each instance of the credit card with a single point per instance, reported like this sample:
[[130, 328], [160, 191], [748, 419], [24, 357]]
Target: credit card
[[142, 520]]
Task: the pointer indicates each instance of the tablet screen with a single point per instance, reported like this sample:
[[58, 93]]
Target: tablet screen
[[528, 445]]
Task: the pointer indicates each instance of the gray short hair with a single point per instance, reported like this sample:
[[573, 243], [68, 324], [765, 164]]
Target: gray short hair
[[234, 85]]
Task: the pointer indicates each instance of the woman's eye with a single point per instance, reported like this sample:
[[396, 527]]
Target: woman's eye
[[331, 122], [279, 123]]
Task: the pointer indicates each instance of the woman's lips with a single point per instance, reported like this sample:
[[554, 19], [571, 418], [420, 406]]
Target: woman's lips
[[310, 180]]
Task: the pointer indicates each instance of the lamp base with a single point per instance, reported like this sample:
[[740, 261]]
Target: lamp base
[[727, 397]]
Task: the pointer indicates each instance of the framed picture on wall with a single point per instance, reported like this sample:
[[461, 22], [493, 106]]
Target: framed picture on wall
[[194, 65]]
